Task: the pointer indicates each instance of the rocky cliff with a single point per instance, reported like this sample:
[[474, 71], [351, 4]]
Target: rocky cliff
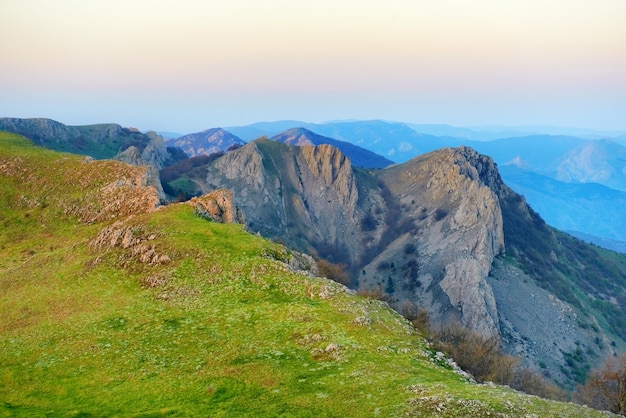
[[434, 233], [218, 206], [445, 258], [304, 196]]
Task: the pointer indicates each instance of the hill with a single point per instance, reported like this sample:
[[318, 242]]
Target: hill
[[100, 141], [114, 306], [207, 142]]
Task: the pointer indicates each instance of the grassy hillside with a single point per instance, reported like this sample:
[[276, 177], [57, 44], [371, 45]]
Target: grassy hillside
[[111, 309]]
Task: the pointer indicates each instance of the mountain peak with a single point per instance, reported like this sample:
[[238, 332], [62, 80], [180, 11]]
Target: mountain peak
[[360, 157], [207, 142]]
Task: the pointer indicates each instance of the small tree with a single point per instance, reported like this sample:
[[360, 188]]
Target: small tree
[[606, 386]]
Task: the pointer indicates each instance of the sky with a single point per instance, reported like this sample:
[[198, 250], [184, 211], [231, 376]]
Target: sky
[[189, 65]]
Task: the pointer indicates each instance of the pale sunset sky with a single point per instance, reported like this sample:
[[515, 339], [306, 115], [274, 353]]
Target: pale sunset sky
[[188, 65]]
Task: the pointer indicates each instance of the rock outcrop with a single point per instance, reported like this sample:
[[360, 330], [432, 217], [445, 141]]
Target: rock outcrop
[[154, 153], [444, 257], [218, 206]]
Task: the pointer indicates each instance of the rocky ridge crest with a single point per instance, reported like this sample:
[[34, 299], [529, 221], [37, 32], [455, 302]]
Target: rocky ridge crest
[[424, 234]]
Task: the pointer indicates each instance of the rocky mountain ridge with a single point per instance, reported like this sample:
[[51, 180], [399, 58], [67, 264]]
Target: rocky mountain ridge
[[102, 141], [426, 234], [570, 157]]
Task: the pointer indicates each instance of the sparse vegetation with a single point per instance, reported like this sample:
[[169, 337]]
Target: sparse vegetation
[[336, 272], [482, 357]]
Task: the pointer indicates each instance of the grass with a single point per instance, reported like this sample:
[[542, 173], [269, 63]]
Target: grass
[[222, 329]]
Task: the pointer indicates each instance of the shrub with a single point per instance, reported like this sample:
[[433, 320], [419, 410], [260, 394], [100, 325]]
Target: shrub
[[481, 356], [369, 223], [440, 214], [336, 272], [373, 292], [606, 387]]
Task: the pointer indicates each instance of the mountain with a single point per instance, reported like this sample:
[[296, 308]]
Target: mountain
[[170, 135], [396, 141], [537, 152], [613, 245], [601, 161], [268, 129], [585, 207], [111, 307], [393, 140], [443, 233], [207, 142], [359, 157], [100, 141]]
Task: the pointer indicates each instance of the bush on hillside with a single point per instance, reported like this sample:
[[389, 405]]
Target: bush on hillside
[[482, 357], [336, 272], [605, 388]]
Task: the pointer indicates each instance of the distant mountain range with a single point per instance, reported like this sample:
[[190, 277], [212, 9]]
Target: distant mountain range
[[207, 142]]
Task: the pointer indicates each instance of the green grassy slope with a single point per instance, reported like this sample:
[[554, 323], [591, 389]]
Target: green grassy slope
[[178, 316]]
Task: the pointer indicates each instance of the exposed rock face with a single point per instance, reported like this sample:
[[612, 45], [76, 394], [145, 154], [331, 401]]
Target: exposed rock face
[[328, 168], [444, 206], [133, 191], [304, 196], [218, 206], [154, 153], [451, 196]]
